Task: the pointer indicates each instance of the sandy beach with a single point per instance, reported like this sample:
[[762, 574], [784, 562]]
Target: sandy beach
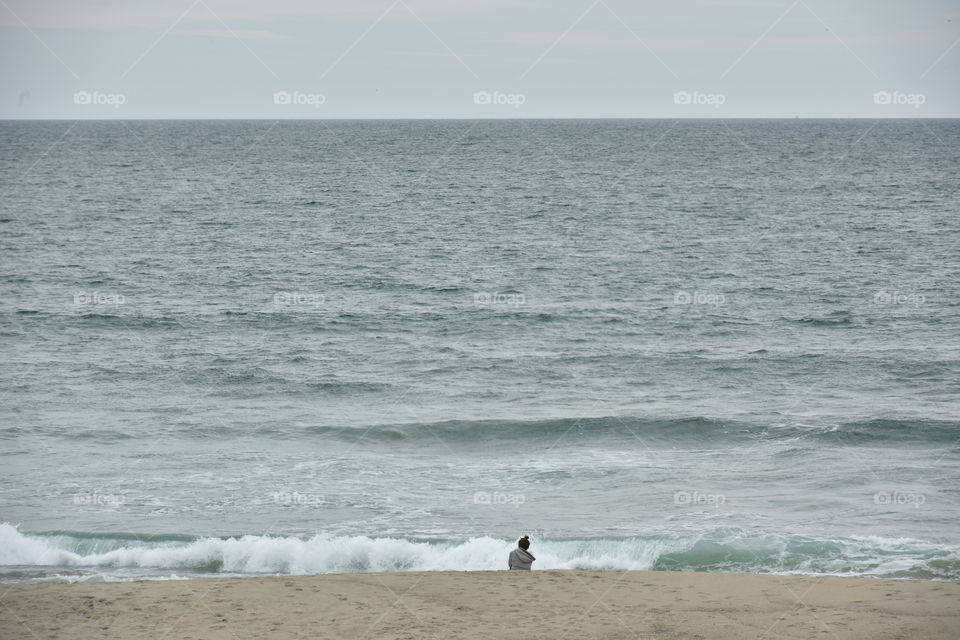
[[538, 604]]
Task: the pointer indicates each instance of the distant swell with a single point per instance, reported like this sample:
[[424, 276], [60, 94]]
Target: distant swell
[[717, 550], [675, 431]]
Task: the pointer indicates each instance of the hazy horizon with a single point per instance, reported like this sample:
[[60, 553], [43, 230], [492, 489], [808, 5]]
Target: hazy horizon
[[214, 119], [422, 59]]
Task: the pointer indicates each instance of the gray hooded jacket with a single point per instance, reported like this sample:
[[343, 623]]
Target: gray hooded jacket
[[521, 559]]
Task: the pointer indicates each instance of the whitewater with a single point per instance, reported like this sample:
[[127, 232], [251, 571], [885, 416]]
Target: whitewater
[[83, 558]]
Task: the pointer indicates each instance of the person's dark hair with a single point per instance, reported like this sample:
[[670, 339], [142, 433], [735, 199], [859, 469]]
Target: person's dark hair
[[524, 542]]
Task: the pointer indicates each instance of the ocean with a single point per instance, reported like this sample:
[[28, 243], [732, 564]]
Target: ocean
[[255, 347]]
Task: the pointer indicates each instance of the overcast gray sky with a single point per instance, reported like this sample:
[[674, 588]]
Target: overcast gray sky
[[478, 58]]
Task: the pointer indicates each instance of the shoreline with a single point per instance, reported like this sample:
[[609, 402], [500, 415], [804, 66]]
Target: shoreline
[[487, 604]]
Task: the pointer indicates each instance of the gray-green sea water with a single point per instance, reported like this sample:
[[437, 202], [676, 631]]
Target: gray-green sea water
[[236, 347]]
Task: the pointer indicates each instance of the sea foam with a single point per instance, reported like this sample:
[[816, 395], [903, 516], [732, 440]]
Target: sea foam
[[716, 550]]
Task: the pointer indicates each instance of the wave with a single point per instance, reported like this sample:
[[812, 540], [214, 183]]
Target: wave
[[724, 549], [835, 319], [678, 431], [700, 429]]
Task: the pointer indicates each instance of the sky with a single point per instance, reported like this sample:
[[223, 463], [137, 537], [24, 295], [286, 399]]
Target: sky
[[277, 59]]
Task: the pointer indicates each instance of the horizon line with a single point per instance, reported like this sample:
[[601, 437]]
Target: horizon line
[[53, 119]]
